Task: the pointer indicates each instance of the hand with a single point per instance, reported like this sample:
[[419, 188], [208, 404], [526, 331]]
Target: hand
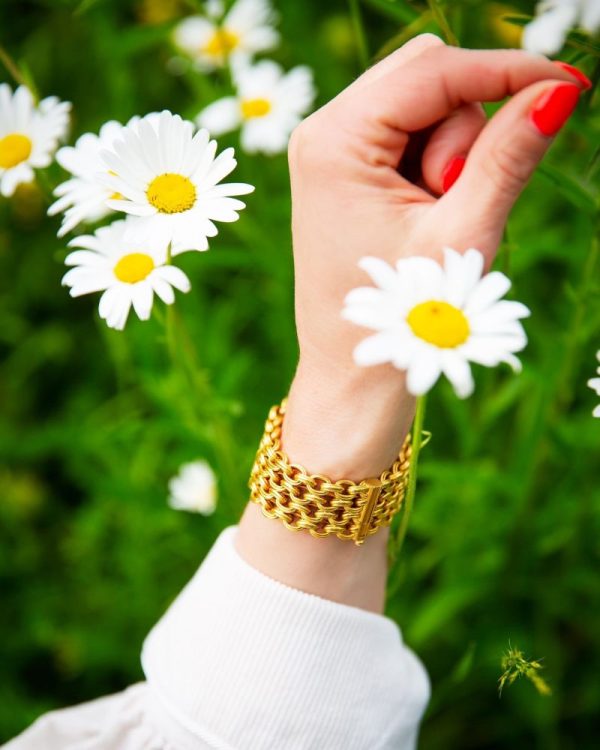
[[419, 109]]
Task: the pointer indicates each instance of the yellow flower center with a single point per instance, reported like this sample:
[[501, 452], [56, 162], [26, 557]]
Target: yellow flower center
[[171, 193], [439, 323], [134, 267], [255, 108], [14, 149], [221, 43]]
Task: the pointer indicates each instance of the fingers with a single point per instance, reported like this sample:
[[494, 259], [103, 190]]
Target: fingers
[[399, 57], [509, 148], [448, 146], [429, 86]]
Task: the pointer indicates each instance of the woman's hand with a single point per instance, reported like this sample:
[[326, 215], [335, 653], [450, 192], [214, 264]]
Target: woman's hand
[[368, 173]]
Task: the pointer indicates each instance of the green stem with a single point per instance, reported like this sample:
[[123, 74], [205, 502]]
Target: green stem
[[45, 186], [553, 400], [588, 277], [183, 356], [12, 67], [416, 443], [441, 20], [359, 33]]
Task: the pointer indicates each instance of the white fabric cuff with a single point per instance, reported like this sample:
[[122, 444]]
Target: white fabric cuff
[[245, 662]]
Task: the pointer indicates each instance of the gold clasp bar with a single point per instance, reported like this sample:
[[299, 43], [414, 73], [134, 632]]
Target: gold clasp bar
[[374, 486]]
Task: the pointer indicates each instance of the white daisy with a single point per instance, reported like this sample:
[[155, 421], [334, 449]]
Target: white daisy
[[432, 319], [127, 273], [194, 489], [83, 198], [245, 30], [29, 134], [548, 31], [594, 384], [267, 106], [168, 176]]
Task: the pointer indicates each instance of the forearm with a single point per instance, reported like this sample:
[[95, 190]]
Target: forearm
[[349, 425]]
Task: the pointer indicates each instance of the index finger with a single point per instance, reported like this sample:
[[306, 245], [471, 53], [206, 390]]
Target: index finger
[[431, 85]]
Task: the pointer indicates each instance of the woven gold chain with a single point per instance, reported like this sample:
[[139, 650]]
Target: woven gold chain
[[347, 509]]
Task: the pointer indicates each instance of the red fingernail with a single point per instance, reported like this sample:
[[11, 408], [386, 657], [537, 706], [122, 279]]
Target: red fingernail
[[576, 73], [452, 172], [554, 107]]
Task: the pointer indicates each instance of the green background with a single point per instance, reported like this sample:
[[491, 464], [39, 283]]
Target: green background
[[503, 544]]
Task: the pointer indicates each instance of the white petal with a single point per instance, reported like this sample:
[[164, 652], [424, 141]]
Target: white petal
[[163, 289], [176, 277], [424, 275], [375, 350], [590, 16], [368, 315], [490, 289], [423, 371], [141, 297], [458, 372], [546, 34], [382, 274], [221, 117], [594, 383], [462, 274]]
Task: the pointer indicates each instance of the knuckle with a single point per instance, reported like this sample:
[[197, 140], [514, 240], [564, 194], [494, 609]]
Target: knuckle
[[507, 169], [314, 144], [302, 145]]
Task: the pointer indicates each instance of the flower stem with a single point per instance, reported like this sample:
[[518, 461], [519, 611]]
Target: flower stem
[[574, 338], [441, 20], [359, 33], [11, 67], [184, 358], [416, 444]]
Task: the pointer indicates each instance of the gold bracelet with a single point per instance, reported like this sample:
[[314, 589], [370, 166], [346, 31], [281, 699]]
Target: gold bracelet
[[345, 508]]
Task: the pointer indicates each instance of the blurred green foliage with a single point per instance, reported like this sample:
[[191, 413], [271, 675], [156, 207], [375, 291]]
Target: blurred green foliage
[[503, 542]]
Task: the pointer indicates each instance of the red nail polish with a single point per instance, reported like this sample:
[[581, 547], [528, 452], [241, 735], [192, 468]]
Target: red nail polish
[[452, 172], [576, 73], [554, 107]]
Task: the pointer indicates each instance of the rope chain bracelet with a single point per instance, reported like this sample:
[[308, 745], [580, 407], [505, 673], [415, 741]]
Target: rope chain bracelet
[[350, 510]]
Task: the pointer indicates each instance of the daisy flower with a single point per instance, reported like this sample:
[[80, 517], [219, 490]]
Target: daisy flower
[[127, 273], [83, 198], [194, 489], [267, 106], [212, 41], [168, 176], [548, 31], [29, 134], [594, 384], [432, 319]]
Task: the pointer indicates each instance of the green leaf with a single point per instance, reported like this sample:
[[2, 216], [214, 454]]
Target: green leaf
[[572, 189], [418, 26], [520, 20], [465, 664], [395, 10]]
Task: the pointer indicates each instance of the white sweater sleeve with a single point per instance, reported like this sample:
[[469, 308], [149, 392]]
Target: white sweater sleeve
[[243, 662], [262, 666]]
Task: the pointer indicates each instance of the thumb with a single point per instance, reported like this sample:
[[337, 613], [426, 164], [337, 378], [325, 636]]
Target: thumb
[[508, 150]]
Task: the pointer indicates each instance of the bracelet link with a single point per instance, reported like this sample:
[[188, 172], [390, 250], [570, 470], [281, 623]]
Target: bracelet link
[[314, 503]]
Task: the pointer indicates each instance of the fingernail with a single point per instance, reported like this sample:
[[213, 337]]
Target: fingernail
[[576, 73], [452, 172], [554, 107]]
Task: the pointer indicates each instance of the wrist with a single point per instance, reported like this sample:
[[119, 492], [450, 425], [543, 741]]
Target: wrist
[[346, 422]]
